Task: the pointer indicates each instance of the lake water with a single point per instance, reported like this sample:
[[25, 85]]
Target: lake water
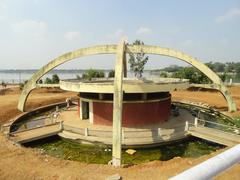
[[15, 77]]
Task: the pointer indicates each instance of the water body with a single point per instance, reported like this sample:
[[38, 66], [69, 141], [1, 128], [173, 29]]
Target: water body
[[102, 154], [193, 147], [18, 76]]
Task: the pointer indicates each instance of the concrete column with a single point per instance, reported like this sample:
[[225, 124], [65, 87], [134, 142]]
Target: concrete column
[[117, 106], [91, 112], [81, 109], [78, 106], [125, 65]]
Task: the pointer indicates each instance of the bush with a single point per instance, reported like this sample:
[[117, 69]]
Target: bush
[[78, 77], [111, 74], [55, 79], [21, 85], [194, 75], [92, 73], [48, 81], [163, 74]]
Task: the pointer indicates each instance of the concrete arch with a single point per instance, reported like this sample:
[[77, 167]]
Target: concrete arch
[[32, 83], [217, 82], [112, 49]]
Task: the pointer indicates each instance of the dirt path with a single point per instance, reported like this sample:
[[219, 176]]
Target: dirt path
[[26, 163]]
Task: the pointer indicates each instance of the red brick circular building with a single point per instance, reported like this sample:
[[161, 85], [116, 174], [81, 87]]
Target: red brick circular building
[[145, 101]]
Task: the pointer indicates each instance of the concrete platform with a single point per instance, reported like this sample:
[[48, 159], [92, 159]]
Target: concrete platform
[[140, 136]]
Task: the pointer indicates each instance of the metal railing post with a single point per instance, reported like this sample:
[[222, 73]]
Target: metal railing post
[[86, 132], [186, 126], [61, 125], [159, 132], [196, 122]]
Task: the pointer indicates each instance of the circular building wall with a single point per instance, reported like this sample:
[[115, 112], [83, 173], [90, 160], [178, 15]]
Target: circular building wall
[[136, 112]]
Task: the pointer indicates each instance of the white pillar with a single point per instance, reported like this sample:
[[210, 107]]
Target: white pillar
[[196, 122], [117, 106], [91, 112], [81, 109], [186, 126]]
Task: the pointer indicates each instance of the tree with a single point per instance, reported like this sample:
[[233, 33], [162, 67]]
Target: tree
[[138, 61], [163, 74], [223, 76], [48, 81], [55, 79], [78, 77], [238, 72], [21, 85], [111, 74], [92, 73], [194, 75]]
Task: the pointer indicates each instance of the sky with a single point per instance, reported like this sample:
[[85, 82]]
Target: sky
[[33, 32]]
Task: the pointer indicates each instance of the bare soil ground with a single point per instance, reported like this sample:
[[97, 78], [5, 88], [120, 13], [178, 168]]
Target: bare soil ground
[[26, 163]]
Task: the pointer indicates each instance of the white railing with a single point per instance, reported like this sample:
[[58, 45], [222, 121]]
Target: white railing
[[212, 167]]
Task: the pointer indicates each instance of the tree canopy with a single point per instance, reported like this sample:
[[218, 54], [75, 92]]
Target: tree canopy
[[92, 73], [137, 61]]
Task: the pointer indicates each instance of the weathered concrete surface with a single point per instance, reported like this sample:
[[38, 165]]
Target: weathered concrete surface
[[117, 106], [129, 86], [190, 60], [36, 133], [112, 49], [31, 84], [215, 135]]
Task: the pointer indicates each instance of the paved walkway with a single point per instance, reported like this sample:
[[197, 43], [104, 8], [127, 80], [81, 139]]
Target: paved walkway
[[215, 135], [83, 130], [35, 134]]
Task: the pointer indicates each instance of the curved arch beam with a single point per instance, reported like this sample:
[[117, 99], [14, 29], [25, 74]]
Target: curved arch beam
[[217, 82], [112, 49], [32, 83]]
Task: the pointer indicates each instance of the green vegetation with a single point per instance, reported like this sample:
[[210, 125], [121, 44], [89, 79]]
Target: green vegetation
[[21, 85], [92, 73], [237, 121], [111, 74], [163, 75], [78, 77], [55, 79], [191, 73], [137, 61], [224, 70], [102, 154]]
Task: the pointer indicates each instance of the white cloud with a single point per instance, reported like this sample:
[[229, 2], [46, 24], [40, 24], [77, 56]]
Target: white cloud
[[144, 30], [72, 35], [30, 27], [229, 15], [116, 35]]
